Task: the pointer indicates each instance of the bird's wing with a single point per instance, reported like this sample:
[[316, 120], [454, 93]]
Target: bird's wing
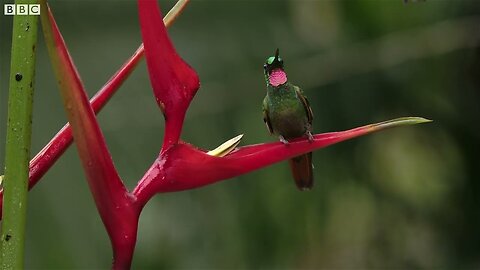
[[266, 119], [305, 103]]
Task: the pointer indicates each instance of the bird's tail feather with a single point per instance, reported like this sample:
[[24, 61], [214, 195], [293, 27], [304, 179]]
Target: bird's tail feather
[[302, 171]]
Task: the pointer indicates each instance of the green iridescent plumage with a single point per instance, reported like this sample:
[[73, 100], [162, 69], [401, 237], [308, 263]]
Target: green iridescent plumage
[[287, 113]]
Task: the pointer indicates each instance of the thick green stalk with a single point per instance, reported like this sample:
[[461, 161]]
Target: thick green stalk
[[17, 154]]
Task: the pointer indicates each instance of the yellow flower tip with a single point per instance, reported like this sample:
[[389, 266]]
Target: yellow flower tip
[[403, 121], [226, 147], [424, 120]]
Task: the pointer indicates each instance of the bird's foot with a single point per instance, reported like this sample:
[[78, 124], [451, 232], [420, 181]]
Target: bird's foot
[[283, 140], [310, 136]]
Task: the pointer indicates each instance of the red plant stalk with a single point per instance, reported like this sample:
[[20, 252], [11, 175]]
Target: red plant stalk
[[45, 159], [174, 82], [180, 166], [116, 206], [50, 153]]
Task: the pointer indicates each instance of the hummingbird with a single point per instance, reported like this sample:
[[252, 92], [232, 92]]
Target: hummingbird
[[287, 113]]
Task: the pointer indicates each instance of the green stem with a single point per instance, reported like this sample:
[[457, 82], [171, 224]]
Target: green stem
[[17, 154]]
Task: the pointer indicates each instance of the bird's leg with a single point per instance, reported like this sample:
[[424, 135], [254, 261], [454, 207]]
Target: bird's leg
[[310, 136], [283, 140]]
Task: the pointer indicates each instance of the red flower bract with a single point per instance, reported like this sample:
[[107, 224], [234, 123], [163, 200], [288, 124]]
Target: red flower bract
[[185, 167], [174, 82]]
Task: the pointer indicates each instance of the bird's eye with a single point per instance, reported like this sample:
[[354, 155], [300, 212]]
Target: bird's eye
[[265, 66]]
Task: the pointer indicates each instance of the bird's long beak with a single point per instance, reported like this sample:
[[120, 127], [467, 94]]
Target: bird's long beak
[[277, 52]]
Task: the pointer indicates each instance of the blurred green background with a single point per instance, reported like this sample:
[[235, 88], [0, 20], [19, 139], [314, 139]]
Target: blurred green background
[[406, 198]]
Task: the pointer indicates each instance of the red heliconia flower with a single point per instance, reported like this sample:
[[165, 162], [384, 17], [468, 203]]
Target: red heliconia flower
[[179, 166]]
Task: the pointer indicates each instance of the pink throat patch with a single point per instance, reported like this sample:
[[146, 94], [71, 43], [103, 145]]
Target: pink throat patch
[[277, 77]]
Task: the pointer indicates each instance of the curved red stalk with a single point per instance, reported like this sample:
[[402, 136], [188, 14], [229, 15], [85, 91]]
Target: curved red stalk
[[45, 159], [116, 206], [174, 82], [49, 154], [42, 162]]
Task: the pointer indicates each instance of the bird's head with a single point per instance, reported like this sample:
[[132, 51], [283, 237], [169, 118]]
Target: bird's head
[[272, 63], [273, 68]]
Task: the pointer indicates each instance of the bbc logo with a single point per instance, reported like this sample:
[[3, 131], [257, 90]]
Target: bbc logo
[[21, 9]]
